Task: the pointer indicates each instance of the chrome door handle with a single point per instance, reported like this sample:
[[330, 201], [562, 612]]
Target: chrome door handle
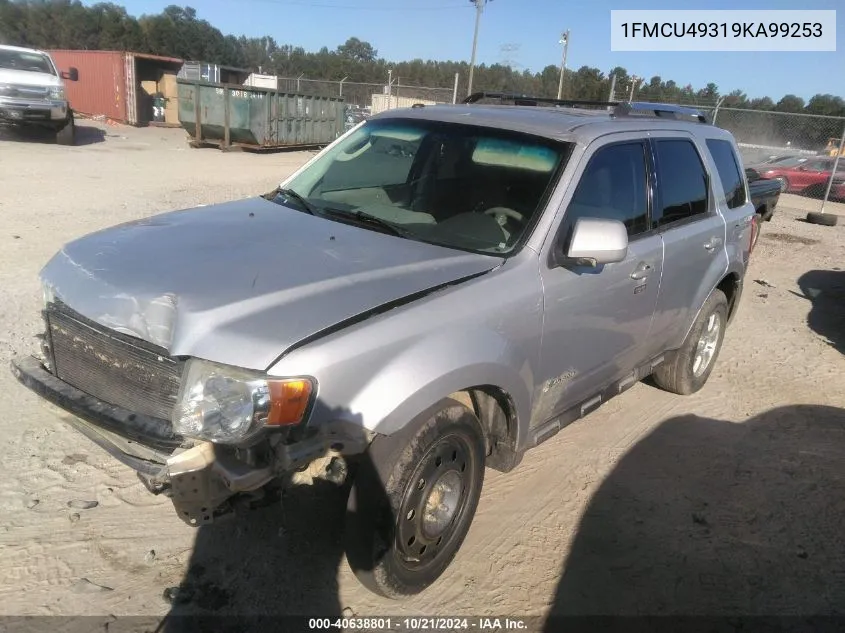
[[641, 272]]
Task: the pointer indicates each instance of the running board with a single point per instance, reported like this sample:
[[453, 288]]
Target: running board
[[551, 428]]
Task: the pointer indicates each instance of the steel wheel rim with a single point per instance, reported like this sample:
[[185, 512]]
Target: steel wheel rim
[[434, 502], [705, 350]]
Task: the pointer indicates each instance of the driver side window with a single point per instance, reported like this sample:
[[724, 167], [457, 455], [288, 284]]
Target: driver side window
[[613, 187]]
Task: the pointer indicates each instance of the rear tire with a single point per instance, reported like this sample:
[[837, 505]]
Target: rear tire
[[825, 219], [413, 499], [687, 369], [67, 135]]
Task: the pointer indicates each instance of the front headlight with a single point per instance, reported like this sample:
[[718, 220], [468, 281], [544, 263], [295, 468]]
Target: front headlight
[[228, 405], [57, 93]]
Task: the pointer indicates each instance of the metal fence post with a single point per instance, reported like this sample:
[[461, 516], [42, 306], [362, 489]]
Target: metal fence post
[[455, 91], [833, 171], [716, 111]]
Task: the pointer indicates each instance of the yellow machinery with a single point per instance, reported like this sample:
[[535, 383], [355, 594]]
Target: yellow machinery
[[832, 147]]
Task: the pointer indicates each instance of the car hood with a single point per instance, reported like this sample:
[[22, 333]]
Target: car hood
[[241, 282], [28, 78]]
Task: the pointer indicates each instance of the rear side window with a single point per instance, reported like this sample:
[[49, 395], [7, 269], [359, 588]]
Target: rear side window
[[729, 174], [681, 182], [613, 187]]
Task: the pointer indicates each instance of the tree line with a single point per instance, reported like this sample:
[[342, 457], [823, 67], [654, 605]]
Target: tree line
[[179, 32]]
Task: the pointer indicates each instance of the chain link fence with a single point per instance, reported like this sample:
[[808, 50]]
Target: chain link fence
[[761, 133], [765, 134]]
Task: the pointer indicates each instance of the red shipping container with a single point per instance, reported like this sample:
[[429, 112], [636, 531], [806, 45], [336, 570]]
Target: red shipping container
[[101, 88]]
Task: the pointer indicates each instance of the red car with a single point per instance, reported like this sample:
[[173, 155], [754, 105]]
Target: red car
[[810, 176]]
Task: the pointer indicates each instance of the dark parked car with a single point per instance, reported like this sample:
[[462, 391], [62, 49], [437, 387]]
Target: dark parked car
[[764, 196]]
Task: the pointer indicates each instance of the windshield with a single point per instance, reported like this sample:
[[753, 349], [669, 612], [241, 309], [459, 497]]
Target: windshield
[[468, 187], [26, 60]]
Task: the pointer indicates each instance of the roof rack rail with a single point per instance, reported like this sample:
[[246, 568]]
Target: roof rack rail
[[668, 111], [618, 108], [523, 99]]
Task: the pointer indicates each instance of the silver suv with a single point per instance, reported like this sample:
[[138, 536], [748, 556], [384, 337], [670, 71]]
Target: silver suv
[[438, 291]]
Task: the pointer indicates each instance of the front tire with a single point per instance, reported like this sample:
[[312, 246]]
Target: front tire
[[687, 369], [413, 500]]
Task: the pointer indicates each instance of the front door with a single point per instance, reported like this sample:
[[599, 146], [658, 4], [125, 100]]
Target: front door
[[597, 320]]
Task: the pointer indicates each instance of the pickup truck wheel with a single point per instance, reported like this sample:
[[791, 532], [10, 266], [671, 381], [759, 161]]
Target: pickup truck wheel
[[687, 369], [67, 135], [413, 499], [825, 219]]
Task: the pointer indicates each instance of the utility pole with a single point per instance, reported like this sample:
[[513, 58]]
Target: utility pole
[[564, 39], [479, 8], [634, 81]]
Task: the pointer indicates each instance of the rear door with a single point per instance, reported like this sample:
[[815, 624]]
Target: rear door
[[694, 234], [734, 199]]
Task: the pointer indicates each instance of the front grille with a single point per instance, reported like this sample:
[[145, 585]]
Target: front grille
[[118, 369], [24, 92]]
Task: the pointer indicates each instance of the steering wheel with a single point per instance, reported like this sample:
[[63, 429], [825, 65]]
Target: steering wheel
[[503, 214]]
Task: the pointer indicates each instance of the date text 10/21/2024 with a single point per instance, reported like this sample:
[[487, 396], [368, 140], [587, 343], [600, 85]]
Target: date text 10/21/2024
[[418, 624]]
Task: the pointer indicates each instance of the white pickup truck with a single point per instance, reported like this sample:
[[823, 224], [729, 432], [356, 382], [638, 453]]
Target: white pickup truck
[[32, 92]]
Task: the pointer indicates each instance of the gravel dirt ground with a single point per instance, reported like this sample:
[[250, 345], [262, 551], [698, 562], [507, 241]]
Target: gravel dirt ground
[[727, 502]]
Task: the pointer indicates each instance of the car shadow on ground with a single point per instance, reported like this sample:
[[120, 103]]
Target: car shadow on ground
[[826, 290], [713, 518], [85, 135], [247, 573]]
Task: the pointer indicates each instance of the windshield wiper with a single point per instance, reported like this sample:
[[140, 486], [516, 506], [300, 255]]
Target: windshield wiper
[[290, 193], [364, 218]]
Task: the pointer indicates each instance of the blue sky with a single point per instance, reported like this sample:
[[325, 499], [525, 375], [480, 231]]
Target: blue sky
[[526, 33]]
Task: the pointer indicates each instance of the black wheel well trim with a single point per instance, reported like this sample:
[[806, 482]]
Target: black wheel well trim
[[731, 285], [495, 409]]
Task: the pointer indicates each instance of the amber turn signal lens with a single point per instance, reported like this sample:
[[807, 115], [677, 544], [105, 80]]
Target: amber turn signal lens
[[288, 401]]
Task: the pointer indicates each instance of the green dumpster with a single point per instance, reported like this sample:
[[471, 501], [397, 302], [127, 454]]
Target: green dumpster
[[261, 118]]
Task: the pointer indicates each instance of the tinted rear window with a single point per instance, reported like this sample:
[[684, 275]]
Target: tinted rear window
[[681, 181], [729, 174]]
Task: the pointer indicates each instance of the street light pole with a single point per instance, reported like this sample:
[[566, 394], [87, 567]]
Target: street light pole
[[565, 41], [479, 8]]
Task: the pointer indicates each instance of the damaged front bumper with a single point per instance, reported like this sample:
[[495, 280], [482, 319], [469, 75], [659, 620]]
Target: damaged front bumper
[[201, 478]]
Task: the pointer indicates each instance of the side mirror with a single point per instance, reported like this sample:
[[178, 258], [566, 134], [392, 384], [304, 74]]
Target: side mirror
[[595, 242], [71, 75]]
